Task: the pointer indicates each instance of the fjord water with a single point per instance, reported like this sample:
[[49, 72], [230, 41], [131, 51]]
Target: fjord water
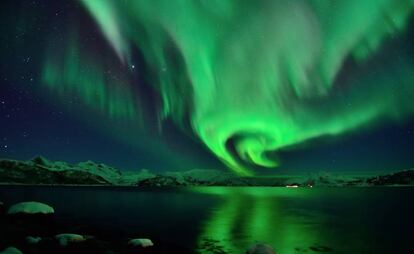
[[229, 219]]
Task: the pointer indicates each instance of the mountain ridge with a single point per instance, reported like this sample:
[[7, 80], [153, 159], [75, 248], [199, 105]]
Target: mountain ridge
[[40, 170]]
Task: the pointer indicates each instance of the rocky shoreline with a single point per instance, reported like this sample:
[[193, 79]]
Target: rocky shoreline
[[34, 229]]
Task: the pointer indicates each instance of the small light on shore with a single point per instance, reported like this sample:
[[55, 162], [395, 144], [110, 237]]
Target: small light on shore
[[292, 186]]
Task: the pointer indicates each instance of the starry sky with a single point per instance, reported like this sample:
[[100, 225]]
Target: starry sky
[[77, 82]]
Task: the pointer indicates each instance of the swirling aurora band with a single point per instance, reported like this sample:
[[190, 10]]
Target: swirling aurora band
[[253, 77]]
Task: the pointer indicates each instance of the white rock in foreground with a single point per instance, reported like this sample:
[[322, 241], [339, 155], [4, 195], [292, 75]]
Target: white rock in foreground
[[141, 242], [11, 250], [31, 207], [64, 239]]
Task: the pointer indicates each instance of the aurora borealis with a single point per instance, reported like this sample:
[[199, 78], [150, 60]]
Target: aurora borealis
[[247, 80]]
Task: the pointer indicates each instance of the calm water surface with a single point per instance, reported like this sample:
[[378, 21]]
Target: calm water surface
[[229, 219]]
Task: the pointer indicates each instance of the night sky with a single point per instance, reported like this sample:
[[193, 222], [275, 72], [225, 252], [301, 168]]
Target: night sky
[[147, 112]]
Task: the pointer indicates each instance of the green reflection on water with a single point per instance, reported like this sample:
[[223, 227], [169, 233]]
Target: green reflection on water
[[250, 215]]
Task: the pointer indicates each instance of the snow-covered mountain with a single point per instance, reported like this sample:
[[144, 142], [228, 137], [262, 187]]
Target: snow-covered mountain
[[42, 171]]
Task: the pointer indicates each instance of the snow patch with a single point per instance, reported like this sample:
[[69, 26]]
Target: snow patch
[[30, 207], [11, 250], [33, 239], [141, 242], [66, 238]]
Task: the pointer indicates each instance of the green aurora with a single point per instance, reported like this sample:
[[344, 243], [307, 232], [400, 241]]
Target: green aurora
[[248, 77]]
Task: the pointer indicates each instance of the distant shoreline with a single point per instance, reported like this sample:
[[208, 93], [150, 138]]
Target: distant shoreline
[[188, 186], [42, 172]]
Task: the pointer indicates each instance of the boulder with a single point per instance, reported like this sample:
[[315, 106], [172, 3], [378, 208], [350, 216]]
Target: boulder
[[31, 207], [33, 239], [140, 242], [66, 238], [11, 250]]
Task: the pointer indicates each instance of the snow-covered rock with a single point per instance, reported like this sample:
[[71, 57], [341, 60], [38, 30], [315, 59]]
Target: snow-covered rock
[[33, 239], [141, 242], [31, 207], [11, 250], [65, 239]]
